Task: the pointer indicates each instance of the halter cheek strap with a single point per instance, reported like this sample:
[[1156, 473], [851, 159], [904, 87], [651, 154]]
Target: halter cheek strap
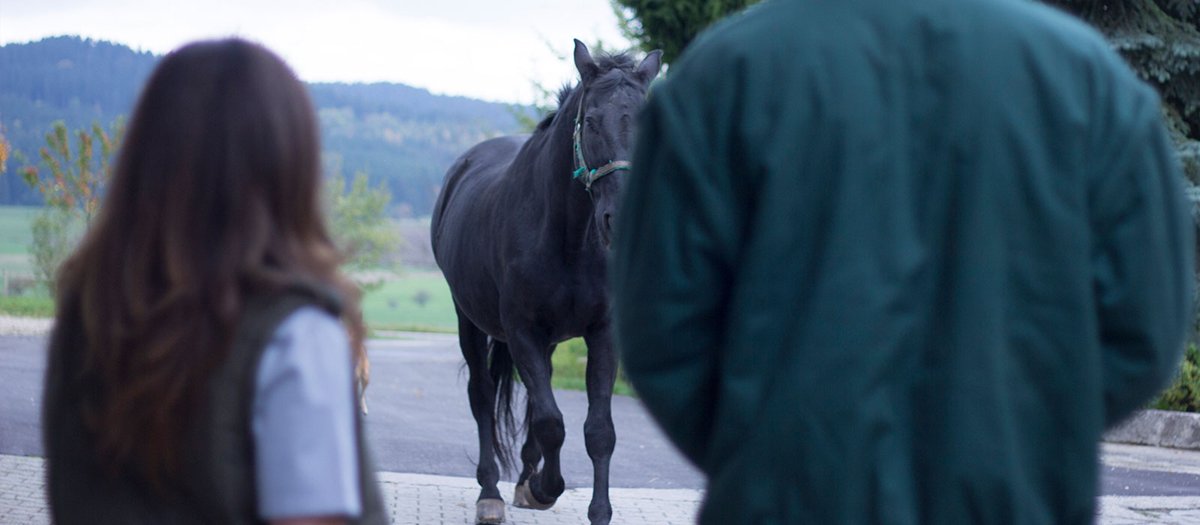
[[582, 173]]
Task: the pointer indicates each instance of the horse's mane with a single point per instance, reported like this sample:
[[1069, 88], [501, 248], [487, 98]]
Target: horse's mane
[[606, 62]]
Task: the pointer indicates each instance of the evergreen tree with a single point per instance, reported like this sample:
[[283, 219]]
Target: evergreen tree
[[670, 25], [1161, 41]]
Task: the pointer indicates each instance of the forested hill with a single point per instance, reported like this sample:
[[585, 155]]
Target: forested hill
[[399, 134]]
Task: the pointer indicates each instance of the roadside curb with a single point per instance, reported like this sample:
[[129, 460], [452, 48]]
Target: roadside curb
[[1158, 428]]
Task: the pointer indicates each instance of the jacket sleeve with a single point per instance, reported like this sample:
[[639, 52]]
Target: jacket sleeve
[[676, 237], [1143, 267]]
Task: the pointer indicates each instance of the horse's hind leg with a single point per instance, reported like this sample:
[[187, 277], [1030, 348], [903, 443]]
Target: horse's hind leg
[[599, 436], [481, 391]]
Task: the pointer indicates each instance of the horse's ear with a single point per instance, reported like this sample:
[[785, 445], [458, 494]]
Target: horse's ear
[[650, 65], [584, 63]]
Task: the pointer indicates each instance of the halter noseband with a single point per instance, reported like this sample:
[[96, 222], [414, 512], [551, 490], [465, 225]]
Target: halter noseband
[[582, 173]]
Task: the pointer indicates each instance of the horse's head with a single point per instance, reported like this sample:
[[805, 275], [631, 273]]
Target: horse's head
[[611, 93]]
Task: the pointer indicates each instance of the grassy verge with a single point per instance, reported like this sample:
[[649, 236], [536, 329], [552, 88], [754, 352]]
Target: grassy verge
[[570, 369], [27, 306], [376, 329]]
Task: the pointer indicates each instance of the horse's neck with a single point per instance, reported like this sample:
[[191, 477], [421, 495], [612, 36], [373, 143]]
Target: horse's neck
[[566, 214]]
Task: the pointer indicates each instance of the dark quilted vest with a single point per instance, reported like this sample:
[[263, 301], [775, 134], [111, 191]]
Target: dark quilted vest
[[218, 483]]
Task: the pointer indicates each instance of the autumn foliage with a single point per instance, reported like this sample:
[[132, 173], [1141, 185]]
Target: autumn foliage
[[74, 177]]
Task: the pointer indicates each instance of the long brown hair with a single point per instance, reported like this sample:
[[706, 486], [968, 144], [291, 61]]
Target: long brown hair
[[215, 197]]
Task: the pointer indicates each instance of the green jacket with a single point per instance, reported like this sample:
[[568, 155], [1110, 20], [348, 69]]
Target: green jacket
[[217, 484], [900, 261]]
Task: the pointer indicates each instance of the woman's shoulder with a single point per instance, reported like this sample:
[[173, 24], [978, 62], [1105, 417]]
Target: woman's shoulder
[[309, 341]]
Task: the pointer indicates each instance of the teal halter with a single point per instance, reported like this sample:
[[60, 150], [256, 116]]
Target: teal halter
[[582, 173]]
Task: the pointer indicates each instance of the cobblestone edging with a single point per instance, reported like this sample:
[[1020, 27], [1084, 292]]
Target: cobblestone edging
[[1159, 428], [10, 325], [416, 499], [411, 499]]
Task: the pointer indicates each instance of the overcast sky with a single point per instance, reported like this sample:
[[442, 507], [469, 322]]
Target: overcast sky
[[489, 49]]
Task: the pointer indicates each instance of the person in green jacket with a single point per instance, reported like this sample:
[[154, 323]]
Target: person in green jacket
[[900, 262]]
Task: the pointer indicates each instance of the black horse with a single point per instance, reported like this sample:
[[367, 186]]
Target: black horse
[[521, 230]]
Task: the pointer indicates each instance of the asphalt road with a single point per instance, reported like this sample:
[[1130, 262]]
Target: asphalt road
[[420, 422]]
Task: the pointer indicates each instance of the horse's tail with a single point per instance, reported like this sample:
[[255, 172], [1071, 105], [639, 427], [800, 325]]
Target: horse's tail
[[504, 425]]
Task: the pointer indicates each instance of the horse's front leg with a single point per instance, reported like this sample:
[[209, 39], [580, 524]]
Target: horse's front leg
[[598, 433], [542, 489], [531, 456], [531, 453]]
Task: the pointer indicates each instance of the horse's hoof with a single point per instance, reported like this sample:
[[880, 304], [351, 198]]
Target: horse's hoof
[[489, 511], [523, 498]]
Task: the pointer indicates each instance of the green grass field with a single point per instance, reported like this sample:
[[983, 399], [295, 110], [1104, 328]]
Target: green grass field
[[15, 237], [398, 306], [14, 229], [414, 301]]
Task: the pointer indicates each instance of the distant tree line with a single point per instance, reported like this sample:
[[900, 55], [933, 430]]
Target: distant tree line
[[403, 137]]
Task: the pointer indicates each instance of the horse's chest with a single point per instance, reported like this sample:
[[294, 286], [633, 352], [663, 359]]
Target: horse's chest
[[575, 313], [569, 306], [581, 302]]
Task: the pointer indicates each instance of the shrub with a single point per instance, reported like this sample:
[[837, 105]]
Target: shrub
[[1184, 393], [51, 243]]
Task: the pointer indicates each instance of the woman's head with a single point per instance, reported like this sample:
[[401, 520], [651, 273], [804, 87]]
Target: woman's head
[[220, 159], [215, 196]]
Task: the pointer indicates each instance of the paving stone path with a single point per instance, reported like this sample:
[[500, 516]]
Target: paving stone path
[[420, 499]]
